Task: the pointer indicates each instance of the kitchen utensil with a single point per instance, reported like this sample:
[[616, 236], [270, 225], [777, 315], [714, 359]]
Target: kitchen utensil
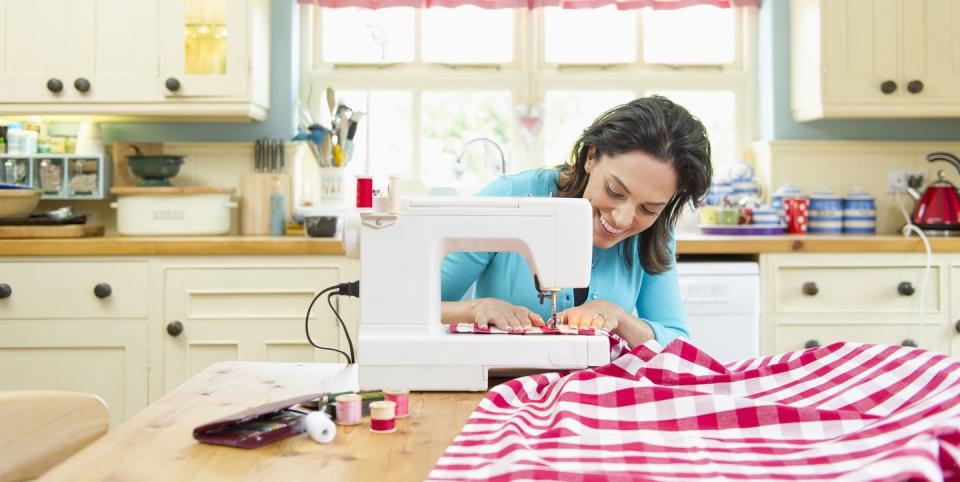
[[64, 231], [121, 175], [255, 191], [154, 170], [743, 229], [859, 213], [173, 211], [826, 213], [331, 100], [938, 208], [322, 222], [18, 203]]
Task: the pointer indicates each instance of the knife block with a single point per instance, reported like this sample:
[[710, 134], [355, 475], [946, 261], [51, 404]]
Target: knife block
[[255, 191]]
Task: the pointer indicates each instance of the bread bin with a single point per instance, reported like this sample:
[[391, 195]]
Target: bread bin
[[173, 211]]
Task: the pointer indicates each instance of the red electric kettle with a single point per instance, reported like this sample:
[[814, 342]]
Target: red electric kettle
[[938, 208]]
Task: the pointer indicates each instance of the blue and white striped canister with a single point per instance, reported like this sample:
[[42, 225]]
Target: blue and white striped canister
[[826, 213], [859, 213]]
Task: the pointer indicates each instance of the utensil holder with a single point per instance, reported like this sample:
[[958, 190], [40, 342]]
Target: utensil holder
[[332, 185], [255, 191]]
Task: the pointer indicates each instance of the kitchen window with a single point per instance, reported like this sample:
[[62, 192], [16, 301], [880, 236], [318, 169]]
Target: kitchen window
[[429, 80]]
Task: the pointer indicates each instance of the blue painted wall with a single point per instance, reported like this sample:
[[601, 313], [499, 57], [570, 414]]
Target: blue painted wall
[[774, 116], [284, 85]]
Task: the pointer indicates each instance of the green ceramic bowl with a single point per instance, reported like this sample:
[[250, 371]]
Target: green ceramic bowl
[[155, 170]]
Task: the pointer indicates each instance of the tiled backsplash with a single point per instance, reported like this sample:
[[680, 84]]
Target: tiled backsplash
[[841, 166]]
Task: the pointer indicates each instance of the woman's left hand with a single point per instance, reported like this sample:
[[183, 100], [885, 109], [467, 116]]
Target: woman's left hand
[[600, 314]]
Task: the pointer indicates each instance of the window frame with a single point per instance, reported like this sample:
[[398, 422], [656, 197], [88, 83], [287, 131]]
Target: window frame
[[528, 77]]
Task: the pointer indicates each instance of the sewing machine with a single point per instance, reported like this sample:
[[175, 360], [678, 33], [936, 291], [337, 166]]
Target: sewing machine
[[401, 245]]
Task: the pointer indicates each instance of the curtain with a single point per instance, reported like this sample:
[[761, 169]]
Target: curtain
[[531, 4]]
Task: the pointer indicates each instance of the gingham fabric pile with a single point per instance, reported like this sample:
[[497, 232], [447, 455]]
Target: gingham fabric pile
[[842, 412], [533, 330]]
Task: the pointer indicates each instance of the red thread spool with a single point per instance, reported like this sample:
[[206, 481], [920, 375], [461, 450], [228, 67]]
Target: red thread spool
[[401, 398], [383, 416], [364, 192]]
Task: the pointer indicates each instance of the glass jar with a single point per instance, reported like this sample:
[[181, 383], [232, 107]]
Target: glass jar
[[49, 176], [84, 177]]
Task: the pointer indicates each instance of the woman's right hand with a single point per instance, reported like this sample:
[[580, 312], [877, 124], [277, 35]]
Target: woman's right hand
[[503, 315]]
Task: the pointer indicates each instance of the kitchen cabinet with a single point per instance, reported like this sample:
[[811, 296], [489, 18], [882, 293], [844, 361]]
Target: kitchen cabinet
[[230, 311], [76, 325], [145, 58], [875, 58], [817, 299]]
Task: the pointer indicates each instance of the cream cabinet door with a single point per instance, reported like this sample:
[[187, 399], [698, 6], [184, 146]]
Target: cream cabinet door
[[38, 42], [861, 49], [245, 313], [930, 51], [205, 45]]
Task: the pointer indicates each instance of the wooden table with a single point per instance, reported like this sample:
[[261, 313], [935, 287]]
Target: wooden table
[[157, 443]]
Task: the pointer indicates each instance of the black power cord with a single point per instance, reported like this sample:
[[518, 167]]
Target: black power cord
[[346, 289]]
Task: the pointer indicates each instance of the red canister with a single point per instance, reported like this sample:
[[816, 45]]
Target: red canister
[[364, 192], [796, 214]]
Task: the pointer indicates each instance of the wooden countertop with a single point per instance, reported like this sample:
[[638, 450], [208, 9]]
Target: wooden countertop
[[299, 245], [157, 443]]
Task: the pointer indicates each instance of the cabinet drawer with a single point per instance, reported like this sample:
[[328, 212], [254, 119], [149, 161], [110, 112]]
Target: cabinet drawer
[[795, 337], [887, 289], [49, 289]]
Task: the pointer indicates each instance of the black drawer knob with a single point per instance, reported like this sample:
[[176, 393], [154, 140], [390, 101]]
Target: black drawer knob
[[888, 87], [908, 342], [956, 325], [906, 288], [81, 84], [915, 87], [102, 290], [174, 328], [810, 288], [54, 85], [6, 291], [812, 344], [172, 84]]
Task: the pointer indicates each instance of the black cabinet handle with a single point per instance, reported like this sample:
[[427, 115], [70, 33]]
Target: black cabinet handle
[[6, 291], [810, 288], [174, 328], [888, 87], [906, 288], [102, 290], [915, 87], [956, 325], [172, 84], [54, 85], [81, 84], [908, 342], [812, 344]]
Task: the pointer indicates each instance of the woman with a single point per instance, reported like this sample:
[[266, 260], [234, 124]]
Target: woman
[[638, 164]]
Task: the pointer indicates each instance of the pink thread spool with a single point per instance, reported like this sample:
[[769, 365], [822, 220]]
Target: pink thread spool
[[383, 417], [364, 192], [401, 398], [349, 409]]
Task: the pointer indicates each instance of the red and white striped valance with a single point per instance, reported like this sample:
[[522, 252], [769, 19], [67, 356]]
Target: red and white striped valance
[[531, 4]]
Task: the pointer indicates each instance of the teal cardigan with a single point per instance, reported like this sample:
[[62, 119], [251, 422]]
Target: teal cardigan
[[506, 276]]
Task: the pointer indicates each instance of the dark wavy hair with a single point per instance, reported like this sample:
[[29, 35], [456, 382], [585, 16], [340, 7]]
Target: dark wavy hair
[[663, 130]]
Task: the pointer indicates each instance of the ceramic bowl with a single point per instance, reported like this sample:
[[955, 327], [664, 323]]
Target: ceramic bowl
[[18, 203]]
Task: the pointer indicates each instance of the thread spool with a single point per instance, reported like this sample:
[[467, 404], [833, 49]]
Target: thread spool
[[349, 409], [401, 398], [364, 192], [383, 417], [393, 195]]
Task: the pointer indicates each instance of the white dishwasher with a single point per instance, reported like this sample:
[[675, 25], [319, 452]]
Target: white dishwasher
[[722, 303]]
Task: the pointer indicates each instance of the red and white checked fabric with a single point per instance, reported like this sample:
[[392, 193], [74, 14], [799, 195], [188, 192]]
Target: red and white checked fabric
[[533, 330], [846, 411]]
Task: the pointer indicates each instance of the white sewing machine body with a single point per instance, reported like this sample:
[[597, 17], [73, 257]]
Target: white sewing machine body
[[402, 342]]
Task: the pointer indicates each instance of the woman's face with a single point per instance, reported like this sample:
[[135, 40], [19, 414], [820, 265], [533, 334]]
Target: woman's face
[[628, 192]]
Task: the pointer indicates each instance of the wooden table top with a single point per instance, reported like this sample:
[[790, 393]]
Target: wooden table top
[[157, 443]]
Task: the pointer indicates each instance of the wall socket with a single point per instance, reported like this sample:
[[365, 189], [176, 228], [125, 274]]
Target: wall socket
[[897, 178]]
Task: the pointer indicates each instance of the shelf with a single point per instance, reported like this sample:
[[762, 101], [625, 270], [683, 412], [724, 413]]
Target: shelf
[[60, 176]]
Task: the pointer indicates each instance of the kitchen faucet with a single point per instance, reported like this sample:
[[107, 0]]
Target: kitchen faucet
[[487, 140]]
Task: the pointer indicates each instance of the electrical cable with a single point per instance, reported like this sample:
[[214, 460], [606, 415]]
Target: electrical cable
[[907, 229], [347, 289]]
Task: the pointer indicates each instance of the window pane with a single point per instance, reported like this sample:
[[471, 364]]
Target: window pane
[[590, 36], [717, 110], [568, 112], [382, 144], [452, 118], [467, 35], [693, 35], [364, 36]]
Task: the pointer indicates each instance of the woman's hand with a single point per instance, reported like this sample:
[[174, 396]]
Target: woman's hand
[[503, 315], [600, 314]]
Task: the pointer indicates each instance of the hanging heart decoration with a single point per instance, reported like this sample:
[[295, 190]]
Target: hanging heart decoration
[[530, 120]]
